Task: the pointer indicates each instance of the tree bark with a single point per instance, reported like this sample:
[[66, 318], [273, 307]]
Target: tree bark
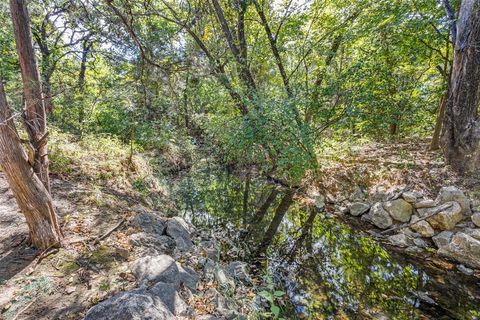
[[32, 197], [435, 143], [461, 134], [35, 117]]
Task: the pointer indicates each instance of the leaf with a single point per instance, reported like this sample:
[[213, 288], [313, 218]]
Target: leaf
[[275, 310], [278, 293]]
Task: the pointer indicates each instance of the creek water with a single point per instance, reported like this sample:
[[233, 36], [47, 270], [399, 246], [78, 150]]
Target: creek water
[[328, 269]]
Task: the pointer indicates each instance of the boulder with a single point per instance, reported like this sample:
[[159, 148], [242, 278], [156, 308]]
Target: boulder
[[399, 240], [411, 196], [425, 204], [420, 243], [150, 223], [180, 231], [131, 305], [449, 214], [462, 248], [451, 193], [358, 208], [169, 296], [422, 227], [378, 216], [224, 281], [157, 244], [160, 268], [399, 209], [443, 238], [472, 232], [476, 219], [188, 277], [358, 194]]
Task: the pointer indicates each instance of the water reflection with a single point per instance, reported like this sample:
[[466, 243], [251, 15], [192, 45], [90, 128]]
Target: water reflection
[[330, 271]]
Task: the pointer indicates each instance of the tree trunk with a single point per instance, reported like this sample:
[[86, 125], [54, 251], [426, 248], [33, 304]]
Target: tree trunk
[[282, 208], [461, 134], [435, 143], [32, 197], [35, 118]]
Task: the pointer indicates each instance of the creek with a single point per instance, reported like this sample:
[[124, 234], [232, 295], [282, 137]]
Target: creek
[[328, 268]]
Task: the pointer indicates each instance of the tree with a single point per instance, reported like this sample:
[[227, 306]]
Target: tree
[[461, 134], [28, 176]]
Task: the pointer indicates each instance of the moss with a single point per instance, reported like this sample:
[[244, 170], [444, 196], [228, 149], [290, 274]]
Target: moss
[[103, 256]]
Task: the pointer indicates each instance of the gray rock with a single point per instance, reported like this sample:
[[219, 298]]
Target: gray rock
[[420, 243], [451, 193], [238, 270], [358, 194], [442, 239], [399, 240], [358, 208], [224, 281], [179, 230], [465, 270], [150, 223], [131, 305], [472, 232], [378, 216], [476, 219], [188, 277], [169, 296], [158, 243], [160, 268], [422, 227], [429, 203], [450, 214], [414, 250], [462, 248], [411, 196], [399, 209], [380, 194], [211, 249]]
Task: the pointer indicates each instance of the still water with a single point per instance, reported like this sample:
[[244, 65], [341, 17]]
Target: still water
[[328, 269]]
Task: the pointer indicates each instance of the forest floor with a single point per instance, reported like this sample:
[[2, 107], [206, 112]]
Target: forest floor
[[63, 283]]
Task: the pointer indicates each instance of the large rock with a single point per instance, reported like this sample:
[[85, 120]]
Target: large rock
[[131, 305], [378, 216], [399, 209], [462, 248], [449, 214], [358, 208], [443, 238], [399, 240], [411, 196], [150, 223], [180, 231], [188, 277], [422, 227], [152, 243], [476, 219], [238, 270], [170, 297], [428, 203], [451, 193], [160, 268]]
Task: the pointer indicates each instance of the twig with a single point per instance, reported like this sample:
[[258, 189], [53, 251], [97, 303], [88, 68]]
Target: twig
[[438, 210], [25, 308], [109, 232]]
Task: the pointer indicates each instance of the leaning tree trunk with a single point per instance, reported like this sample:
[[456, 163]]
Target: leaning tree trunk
[[32, 197], [35, 117], [461, 135]]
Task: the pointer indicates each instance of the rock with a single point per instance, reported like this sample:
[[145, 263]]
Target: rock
[[157, 243], [443, 238], [208, 317], [318, 200], [223, 280], [411, 196], [414, 250], [420, 243], [451, 193], [380, 194], [465, 270], [188, 277], [150, 223], [399, 209], [450, 214], [358, 208], [422, 227], [462, 248], [358, 194], [425, 204], [476, 219], [211, 249], [221, 304], [179, 230], [472, 232], [238, 270], [378, 216], [399, 240], [160, 268], [169, 296], [131, 305]]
